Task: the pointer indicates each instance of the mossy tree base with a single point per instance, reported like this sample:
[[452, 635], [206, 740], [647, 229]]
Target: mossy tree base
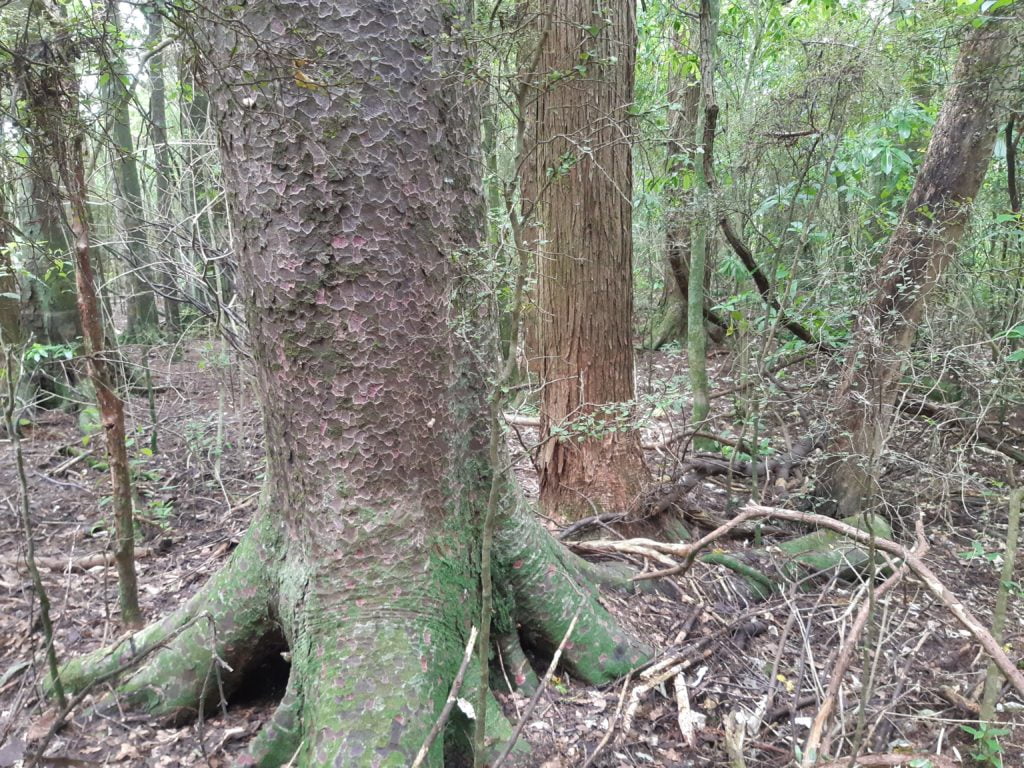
[[366, 681]]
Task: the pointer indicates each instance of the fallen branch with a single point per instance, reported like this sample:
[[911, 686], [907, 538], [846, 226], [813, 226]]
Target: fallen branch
[[891, 760], [845, 657], [924, 574], [520, 420], [81, 564], [955, 417]]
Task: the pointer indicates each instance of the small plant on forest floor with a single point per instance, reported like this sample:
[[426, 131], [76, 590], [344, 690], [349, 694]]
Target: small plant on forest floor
[[987, 750], [978, 552], [159, 512]]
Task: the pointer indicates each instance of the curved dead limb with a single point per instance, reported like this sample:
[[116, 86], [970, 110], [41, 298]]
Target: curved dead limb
[[763, 287], [891, 760], [953, 417], [921, 570], [737, 244]]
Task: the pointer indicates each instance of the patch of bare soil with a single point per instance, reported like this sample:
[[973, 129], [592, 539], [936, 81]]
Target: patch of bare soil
[[743, 679]]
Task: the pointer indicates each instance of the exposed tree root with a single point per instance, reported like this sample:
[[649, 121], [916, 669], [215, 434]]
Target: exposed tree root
[[515, 666], [231, 618], [280, 738], [367, 682], [546, 597]]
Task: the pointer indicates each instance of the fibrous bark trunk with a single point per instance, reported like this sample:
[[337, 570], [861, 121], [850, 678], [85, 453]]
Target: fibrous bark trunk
[[931, 226], [350, 161], [582, 178]]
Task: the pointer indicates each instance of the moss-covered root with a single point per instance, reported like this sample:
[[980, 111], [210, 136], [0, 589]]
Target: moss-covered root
[[227, 621], [515, 667], [371, 688], [802, 560], [279, 739], [548, 591]]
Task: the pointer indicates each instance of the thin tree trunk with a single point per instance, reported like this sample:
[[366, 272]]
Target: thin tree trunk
[[110, 405], [925, 240], [681, 166], [703, 235], [581, 158], [55, 77], [162, 154], [142, 314]]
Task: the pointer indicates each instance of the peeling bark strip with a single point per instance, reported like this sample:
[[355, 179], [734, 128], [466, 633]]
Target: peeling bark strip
[[925, 240], [580, 136]]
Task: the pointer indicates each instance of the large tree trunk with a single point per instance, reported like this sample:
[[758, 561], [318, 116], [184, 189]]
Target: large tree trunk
[[932, 225], [591, 457], [352, 173]]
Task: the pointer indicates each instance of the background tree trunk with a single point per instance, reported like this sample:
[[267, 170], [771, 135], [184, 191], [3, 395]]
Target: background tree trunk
[[10, 314], [930, 228], [142, 314], [703, 232], [582, 165], [168, 270]]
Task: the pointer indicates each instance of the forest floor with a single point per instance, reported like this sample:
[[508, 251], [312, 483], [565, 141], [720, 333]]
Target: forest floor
[[914, 682]]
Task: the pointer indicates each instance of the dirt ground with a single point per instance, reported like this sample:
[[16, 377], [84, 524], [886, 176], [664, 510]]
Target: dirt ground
[[755, 672]]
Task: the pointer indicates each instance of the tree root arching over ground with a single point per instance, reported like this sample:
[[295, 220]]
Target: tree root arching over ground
[[357, 668]]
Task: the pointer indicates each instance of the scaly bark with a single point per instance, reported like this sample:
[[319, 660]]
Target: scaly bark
[[582, 179], [351, 163], [925, 240]]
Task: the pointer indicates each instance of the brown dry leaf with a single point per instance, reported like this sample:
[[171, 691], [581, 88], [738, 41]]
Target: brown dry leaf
[[41, 727], [126, 752]]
